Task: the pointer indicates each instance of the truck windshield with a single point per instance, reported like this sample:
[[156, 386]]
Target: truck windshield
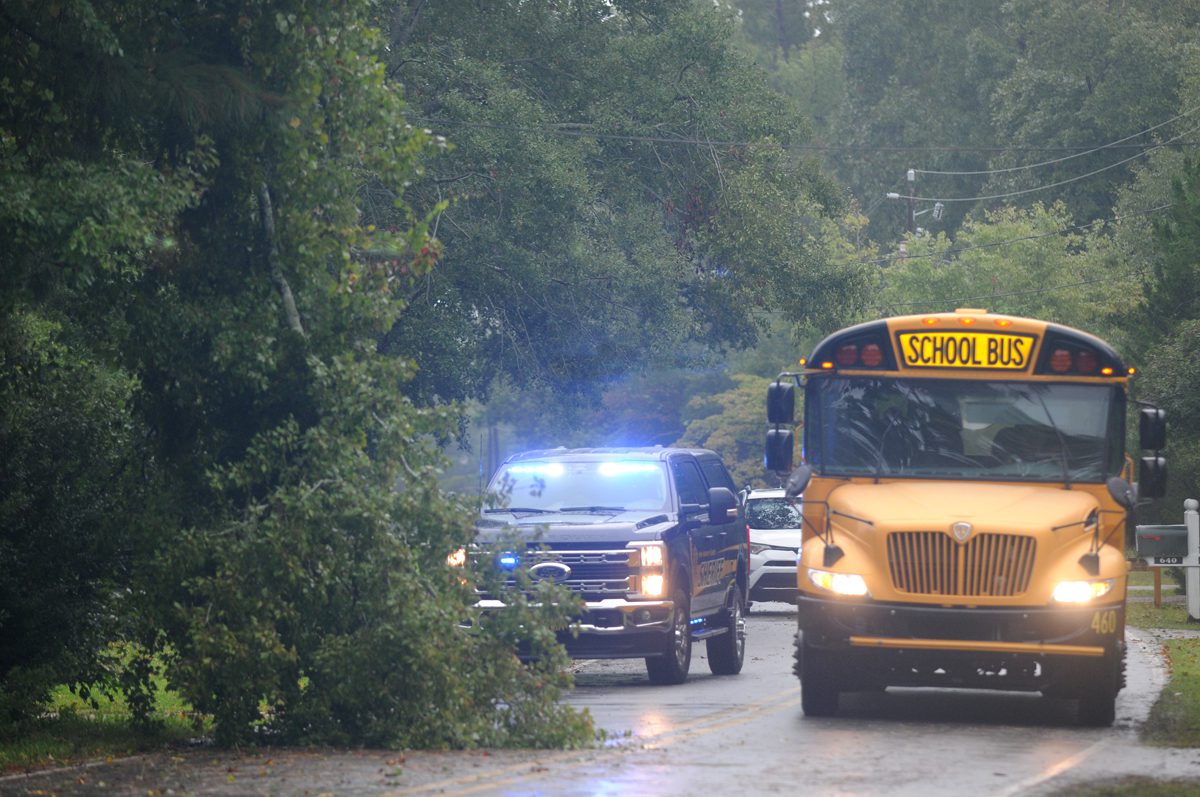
[[557, 486], [934, 428]]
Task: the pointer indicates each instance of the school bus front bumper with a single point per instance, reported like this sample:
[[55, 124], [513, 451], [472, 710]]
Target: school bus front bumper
[[1087, 631]]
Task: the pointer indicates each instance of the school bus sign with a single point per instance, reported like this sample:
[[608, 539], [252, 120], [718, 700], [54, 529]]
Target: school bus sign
[[959, 349]]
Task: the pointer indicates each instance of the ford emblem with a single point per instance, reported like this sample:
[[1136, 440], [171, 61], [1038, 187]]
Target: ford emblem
[[555, 571]]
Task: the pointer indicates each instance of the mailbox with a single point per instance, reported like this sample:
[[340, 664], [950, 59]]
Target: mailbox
[[1161, 541]]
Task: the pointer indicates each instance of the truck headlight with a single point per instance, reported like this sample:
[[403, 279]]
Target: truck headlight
[[648, 561], [1082, 591], [653, 586], [838, 583], [652, 555]]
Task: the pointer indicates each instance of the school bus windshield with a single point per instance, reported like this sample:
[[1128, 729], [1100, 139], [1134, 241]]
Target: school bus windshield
[[964, 429]]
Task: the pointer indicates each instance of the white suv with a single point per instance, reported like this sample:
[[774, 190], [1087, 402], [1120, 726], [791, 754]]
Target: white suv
[[773, 524]]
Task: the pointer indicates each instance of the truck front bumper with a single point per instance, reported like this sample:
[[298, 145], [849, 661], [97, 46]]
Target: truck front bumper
[[613, 628]]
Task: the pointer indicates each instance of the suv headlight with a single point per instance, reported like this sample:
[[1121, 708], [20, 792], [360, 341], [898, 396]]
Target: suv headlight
[[850, 584], [1082, 591], [762, 547]]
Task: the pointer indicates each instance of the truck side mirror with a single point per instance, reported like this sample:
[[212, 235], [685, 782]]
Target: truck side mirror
[[781, 403], [722, 505], [1152, 477], [779, 449], [1152, 428]]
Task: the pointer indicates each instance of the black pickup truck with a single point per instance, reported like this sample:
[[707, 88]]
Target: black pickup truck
[[652, 541]]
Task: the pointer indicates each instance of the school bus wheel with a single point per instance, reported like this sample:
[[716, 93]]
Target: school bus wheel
[[818, 685]]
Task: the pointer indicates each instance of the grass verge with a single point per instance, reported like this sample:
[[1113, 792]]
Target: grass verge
[[1170, 615], [73, 731], [1135, 787], [1175, 719]]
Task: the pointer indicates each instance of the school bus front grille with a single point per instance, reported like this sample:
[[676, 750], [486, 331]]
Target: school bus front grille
[[987, 565]]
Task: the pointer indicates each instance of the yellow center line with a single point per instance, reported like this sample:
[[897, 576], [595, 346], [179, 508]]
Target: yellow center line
[[495, 778]]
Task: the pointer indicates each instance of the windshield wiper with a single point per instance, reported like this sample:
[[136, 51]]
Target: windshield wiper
[[892, 422], [1062, 443], [524, 509], [586, 509]]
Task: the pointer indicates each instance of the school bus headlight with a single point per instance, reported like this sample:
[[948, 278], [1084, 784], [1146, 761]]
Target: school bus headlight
[[1082, 591], [457, 558], [654, 585], [838, 583]]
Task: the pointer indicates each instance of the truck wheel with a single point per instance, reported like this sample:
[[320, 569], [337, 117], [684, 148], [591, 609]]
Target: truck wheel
[[726, 652], [818, 688], [1098, 701], [672, 666]]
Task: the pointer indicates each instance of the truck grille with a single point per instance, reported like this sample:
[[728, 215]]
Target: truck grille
[[987, 565], [595, 574]]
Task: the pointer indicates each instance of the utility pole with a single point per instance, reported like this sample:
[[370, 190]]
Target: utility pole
[[912, 201], [937, 210]]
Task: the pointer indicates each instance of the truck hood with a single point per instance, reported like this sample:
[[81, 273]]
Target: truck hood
[[926, 506], [561, 527]]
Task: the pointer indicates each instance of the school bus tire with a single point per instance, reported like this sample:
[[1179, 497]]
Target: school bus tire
[[1098, 701], [818, 684]]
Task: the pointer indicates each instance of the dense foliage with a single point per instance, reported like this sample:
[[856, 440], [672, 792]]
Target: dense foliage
[[623, 195], [206, 454], [972, 95]]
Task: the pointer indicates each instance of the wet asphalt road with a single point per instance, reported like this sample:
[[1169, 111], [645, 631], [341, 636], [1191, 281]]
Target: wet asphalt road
[[730, 735], [747, 734]]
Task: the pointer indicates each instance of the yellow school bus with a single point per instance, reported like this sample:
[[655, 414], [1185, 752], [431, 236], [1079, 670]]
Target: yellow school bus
[[965, 492]]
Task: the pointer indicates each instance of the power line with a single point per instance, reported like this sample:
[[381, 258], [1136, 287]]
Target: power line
[[572, 130], [1041, 187], [1066, 158]]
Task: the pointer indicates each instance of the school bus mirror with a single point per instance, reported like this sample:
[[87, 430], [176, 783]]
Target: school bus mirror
[[1152, 428], [1122, 492], [1152, 477], [779, 450], [1156, 541], [781, 403], [797, 482]]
